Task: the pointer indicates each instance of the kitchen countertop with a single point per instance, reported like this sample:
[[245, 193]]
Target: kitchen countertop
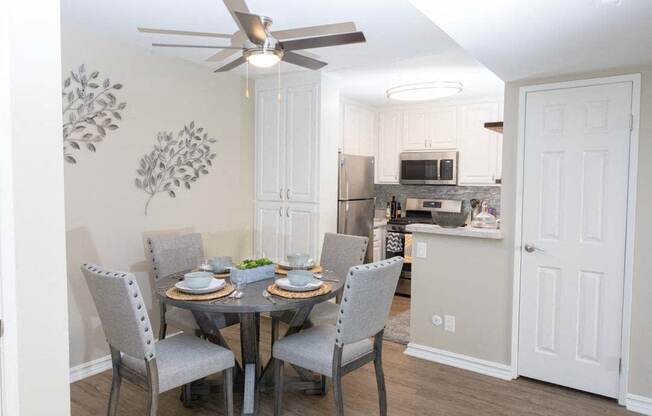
[[491, 234], [380, 222]]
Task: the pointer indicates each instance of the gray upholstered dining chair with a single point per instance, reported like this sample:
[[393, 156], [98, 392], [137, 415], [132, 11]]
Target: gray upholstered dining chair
[[157, 366], [339, 253], [173, 254], [334, 351]]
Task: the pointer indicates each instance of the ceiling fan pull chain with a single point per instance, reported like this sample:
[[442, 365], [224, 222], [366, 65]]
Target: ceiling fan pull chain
[[247, 79]]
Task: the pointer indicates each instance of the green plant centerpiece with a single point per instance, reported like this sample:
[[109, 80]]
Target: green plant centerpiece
[[253, 270]]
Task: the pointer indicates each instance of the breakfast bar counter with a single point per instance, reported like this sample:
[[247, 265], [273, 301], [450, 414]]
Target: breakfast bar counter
[[492, 234]]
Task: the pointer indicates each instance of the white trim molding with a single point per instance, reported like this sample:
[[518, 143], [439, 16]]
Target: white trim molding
[[90, 368], [639, 404], [635, 79], [488, 368]]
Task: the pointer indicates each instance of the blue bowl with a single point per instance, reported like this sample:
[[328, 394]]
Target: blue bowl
[[220, 264], [198, 280]]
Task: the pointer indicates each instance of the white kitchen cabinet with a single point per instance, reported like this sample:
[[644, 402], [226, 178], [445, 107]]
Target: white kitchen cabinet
[[301, 144], [358, 129], [389, 140], [443, 131], [269, 226], [416, 129], [270, 175], [296, 144], [301, 229], [478, 146]]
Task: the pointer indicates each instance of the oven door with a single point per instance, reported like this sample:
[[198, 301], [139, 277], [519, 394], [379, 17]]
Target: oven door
[[404, 285]]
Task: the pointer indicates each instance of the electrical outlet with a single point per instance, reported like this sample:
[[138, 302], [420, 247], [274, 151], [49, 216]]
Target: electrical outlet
[[436, 320], [449, 323], [422, 251]]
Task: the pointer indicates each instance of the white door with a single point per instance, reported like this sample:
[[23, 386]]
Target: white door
[[269, 146], [574, 223], [269, 230], [444, 128], [389, 132], [301, 144], [478, 146], [301, 229], [416, 129]]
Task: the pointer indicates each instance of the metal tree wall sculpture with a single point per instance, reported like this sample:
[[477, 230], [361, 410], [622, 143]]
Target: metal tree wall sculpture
[[175, 163], [90, 109]]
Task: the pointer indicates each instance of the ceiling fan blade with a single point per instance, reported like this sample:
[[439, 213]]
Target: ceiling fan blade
[[252, 25], [304, 61], [241, 60], [323, 41], [221, 55], [184, 33], [304, 32], [178, 45], [236, 6]]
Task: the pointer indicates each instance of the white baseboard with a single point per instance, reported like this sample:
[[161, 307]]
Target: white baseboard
[[488, 368], [639, 404], [90, 368], [96, 366]]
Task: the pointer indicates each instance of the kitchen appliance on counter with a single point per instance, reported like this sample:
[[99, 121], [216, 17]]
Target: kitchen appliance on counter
[[417, 211], [429, 168], [355, 199]]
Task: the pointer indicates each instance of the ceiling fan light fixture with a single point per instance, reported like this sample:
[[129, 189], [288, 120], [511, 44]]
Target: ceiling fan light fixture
[[263, 57], [424, 91]]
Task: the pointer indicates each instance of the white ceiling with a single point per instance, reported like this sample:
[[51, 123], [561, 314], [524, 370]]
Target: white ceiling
[[520, 39], [402, 44]]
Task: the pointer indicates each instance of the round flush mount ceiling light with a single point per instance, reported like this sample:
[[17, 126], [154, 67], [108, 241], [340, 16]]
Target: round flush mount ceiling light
[[262, 57], [424, 91]]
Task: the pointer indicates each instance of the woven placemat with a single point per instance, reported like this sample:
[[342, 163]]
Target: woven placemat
[[176, 294], [222, 275], [275, 290], [284, 272]]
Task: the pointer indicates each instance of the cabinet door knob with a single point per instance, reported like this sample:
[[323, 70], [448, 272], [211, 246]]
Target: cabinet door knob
[[280, 211], [287, 212], [287, 193]]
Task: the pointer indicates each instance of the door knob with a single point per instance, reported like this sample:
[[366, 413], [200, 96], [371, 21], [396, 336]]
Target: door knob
[[531, 248]]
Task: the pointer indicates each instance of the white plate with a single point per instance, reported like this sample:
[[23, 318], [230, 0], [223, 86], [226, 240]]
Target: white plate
[[284, 283], [285, 265], [213, 286]]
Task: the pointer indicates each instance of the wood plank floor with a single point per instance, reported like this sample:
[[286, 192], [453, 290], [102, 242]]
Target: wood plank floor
[[415, 387]]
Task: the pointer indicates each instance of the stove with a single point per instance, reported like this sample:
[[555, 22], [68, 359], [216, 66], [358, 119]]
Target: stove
[[417, 211]]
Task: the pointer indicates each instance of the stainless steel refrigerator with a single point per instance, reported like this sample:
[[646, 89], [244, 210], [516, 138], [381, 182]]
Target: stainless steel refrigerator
[[355, 209]]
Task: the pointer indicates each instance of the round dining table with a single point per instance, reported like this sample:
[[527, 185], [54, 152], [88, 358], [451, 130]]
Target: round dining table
[[248, 308]]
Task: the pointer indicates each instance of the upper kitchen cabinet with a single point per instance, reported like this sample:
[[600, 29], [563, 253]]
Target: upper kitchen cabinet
[[443, 128], [358, 129], [390, 126], [479, 148], [301, 144], [270, 126], [416, 129]]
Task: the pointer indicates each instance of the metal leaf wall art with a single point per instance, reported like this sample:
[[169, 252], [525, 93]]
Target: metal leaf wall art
[[90, 111], [176, 162]]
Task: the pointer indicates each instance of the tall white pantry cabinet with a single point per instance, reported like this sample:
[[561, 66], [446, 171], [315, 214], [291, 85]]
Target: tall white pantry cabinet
[[296, 144]]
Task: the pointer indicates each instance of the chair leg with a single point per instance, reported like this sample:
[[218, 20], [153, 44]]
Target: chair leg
[[115, 392], [163, 326], [116, 380], [337, 381], [152, 388], [186, 395], [380, 377], [278, 387], [228, 391], [323, 387], [275, 329]]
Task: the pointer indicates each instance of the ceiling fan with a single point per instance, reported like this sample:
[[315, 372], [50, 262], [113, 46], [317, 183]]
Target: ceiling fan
[[262, 47]]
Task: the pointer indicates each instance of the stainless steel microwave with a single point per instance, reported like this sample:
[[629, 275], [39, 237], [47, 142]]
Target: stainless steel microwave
[[429, 168]]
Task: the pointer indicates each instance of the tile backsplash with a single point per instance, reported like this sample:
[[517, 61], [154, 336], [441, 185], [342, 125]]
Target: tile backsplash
[[383, 194]]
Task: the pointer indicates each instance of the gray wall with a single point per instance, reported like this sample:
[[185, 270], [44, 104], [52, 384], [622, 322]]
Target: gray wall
[[384, 193]]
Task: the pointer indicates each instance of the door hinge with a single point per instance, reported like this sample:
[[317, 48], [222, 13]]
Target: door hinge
[[620, 366], [631, 122], [2, 329]]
